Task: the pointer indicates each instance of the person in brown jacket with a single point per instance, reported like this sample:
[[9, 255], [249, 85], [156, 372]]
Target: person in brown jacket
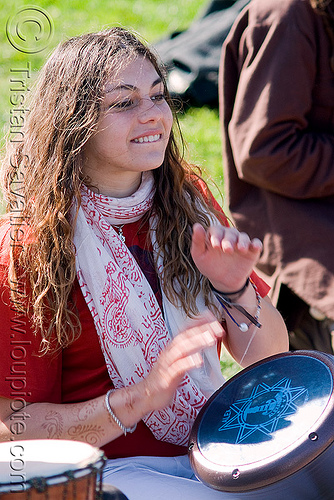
[[277, 113]]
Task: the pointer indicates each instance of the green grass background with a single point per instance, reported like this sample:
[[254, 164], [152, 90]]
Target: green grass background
[[153, 19]]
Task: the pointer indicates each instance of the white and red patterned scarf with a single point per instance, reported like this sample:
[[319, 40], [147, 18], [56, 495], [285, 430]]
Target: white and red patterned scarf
[[131, 328]]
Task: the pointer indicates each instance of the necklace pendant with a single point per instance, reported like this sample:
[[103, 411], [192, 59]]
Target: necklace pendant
[[120, 233]]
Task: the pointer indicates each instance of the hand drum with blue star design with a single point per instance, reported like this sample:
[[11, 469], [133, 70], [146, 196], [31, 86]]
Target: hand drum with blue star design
[[268, 432]]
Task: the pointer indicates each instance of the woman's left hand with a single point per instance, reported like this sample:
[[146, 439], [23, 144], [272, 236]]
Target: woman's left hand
[[224, 255], [182, 354]]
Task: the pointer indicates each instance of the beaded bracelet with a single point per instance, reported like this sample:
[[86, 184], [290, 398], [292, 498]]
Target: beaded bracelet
[[227, 303], [125, 430]]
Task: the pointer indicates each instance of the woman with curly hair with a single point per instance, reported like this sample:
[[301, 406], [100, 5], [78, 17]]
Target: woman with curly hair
[[117, 265]]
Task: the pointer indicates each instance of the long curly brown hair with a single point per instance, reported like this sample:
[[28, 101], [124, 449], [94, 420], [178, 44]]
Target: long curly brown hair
[[64, 112]]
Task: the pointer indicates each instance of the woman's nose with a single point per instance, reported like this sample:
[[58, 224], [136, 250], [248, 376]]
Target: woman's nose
[[148, 109]]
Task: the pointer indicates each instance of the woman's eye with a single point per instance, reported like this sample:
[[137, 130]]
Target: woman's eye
[[131, 103], [121, 105], [158, 98]]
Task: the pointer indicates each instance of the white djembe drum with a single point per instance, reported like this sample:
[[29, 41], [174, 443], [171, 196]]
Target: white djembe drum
[[50, 469]]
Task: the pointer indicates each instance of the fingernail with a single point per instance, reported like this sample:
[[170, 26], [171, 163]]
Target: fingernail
[[215, 241], [209, 338], [227, 245], [242, 245], [197, 360], [216, 328]]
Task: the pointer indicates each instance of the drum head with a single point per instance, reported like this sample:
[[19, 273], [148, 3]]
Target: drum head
[[44, 457], [265, 423]]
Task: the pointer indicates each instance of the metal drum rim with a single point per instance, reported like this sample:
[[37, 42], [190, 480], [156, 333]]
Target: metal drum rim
[[250, 477]]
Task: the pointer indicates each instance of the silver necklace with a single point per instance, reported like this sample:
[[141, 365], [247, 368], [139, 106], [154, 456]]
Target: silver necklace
[[119, 230]]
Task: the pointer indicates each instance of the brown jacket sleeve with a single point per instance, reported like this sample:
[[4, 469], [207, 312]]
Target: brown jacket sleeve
[[281, 125]]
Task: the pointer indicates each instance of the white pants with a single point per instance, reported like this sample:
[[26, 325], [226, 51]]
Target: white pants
[[159, 478], [172, 478]]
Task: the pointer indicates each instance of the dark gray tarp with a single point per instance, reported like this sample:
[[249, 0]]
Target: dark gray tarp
[[192, 56]]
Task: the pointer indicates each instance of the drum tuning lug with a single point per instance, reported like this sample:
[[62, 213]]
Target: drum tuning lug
[[313, 436], [236, 474]]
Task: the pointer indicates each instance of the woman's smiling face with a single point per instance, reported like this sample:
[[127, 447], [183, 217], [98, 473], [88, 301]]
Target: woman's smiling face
[[133, 129]]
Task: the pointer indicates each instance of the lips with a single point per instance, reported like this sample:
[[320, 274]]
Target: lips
[[147, 139]]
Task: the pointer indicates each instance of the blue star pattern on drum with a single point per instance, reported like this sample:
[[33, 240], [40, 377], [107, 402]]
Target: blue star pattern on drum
[[263, 409]]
